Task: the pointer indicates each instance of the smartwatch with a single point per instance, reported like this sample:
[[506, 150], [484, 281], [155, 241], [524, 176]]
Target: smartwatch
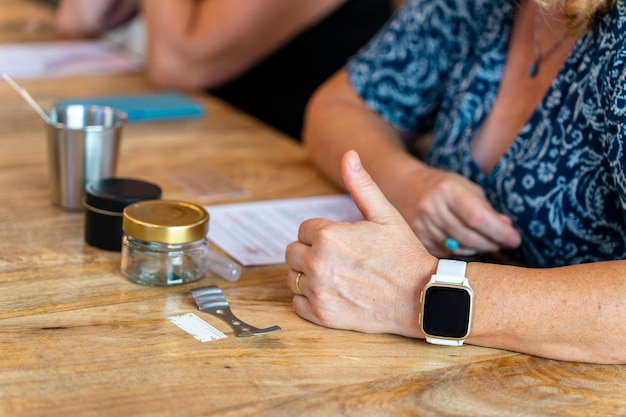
[[447, 305]]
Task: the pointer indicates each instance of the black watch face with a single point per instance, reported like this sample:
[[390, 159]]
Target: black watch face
[[446, 312]]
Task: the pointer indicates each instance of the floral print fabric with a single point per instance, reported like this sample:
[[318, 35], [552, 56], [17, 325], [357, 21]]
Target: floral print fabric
[[436, 66]]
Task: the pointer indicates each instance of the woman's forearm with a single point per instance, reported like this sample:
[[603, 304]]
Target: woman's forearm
[[205, 44], [569, 313]]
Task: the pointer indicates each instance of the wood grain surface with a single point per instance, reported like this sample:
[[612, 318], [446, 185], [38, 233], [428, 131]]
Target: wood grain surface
[[77, 339]]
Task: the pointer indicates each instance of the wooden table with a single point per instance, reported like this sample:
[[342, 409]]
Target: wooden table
[[77, 339]]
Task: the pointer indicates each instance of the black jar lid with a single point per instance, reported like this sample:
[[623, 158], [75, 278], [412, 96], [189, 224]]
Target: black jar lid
[[112, 195]]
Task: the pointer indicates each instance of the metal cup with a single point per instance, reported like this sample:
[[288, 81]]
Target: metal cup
[[83, 146]]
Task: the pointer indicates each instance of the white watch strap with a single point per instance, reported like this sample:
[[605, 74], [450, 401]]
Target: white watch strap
[[444, 342], [450, 271]]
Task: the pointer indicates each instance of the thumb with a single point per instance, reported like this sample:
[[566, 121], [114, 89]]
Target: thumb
[[369, 199]]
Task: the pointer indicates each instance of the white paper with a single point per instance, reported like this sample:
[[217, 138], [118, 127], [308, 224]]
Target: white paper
[[66, 59], [257, 233], [198, 328]]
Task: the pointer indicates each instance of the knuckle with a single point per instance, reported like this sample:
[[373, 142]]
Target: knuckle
[[324, 317], [325, 233], [426, 208], [313, 267], [475, 217]]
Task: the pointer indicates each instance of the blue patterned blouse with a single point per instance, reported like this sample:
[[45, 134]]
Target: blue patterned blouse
[[436, 67]]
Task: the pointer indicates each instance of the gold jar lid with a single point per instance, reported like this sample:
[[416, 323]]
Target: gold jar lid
[[165, 221]]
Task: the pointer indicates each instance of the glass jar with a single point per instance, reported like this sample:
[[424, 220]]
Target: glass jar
[[154, 263], [165, 243]]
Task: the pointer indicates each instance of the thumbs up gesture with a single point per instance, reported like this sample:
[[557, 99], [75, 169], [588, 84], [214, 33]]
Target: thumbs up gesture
[[364, 276]]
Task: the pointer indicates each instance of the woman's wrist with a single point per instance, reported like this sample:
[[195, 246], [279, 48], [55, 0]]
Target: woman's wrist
[[424, 270]]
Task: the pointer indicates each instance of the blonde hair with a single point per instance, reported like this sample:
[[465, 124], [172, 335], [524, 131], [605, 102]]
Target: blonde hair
[[581, 14]]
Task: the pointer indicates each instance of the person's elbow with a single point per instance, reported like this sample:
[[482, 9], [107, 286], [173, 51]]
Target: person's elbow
[[174, 74], [70, 26], [180, 67], [326, 105], [315, 109]]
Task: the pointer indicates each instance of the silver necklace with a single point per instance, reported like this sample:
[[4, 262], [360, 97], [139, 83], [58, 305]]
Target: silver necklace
[[533, 69]]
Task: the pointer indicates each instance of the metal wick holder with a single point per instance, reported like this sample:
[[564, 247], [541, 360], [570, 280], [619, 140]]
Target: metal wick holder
[[210, 299]]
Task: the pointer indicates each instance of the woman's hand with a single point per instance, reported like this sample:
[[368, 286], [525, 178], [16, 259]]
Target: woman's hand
[[365, 276], [448, 206]]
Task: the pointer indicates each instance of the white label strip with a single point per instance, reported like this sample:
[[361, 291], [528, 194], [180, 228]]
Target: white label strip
[[197, 327]]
